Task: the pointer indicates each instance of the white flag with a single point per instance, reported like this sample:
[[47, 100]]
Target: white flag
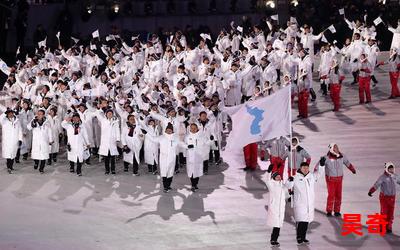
[[240, 29], [93, 47], [293, 20], [76, 40], [4, 67], [135, 37], [95, 34], [259, 120], [341, 11], [332, 29], [42, 43], [378, 20], [324, 39], [58, 35], [205, 36], [275, 17], [109, 38], [18, 50]]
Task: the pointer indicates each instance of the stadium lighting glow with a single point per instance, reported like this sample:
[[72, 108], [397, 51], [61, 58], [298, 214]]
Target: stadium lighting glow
[[116, 8], [270, 4]]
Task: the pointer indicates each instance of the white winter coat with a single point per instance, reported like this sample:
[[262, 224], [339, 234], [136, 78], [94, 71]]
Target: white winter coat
[[25, 118], [41, 139], [134, 143], [55, 126], [276, 203], [79, 143], [232, 83], [168, 149], [194, 156], [110, 134], [150, 145], [87, 121], [11, 134], [304, 196]]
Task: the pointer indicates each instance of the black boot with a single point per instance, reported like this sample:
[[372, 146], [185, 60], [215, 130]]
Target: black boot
[[155, 171], [71, 167], [36, 165], [126, 166], [313, 95]]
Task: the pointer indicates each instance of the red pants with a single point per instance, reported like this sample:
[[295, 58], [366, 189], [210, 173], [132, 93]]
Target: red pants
[[278, 163], [335, 95], [364, 86], [334, 200], [394, 78], [250, 155], [387, 207], [303, 103]]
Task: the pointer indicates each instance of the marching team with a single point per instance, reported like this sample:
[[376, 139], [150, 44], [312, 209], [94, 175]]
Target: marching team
[[162, 104]]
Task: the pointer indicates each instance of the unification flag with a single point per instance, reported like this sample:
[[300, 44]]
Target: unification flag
[[260, 120]]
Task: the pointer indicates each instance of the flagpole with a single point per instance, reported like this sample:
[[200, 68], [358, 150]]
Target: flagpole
[[291, 160], [290, 126]]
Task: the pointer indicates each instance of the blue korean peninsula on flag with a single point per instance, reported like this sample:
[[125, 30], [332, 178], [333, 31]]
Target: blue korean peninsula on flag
[[259, 120]]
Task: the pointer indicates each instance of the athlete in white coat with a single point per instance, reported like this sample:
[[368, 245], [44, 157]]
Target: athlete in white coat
[[196, 142], [25, 116], [42, 139], [56, 130], [304, 199], [151, 131], [110, 136], [169, 144], [276, 205], [11, 137], [78, 142], [132, 141]]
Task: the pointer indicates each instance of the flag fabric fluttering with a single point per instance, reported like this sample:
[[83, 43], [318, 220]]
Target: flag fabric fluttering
[[76, 40], [341, 11], [95, 34], [275, 17], [323, 39], [93, 47], [42, 43], [205, 36], [4, 67], [378, 20], [332, 29], [260, 120]]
